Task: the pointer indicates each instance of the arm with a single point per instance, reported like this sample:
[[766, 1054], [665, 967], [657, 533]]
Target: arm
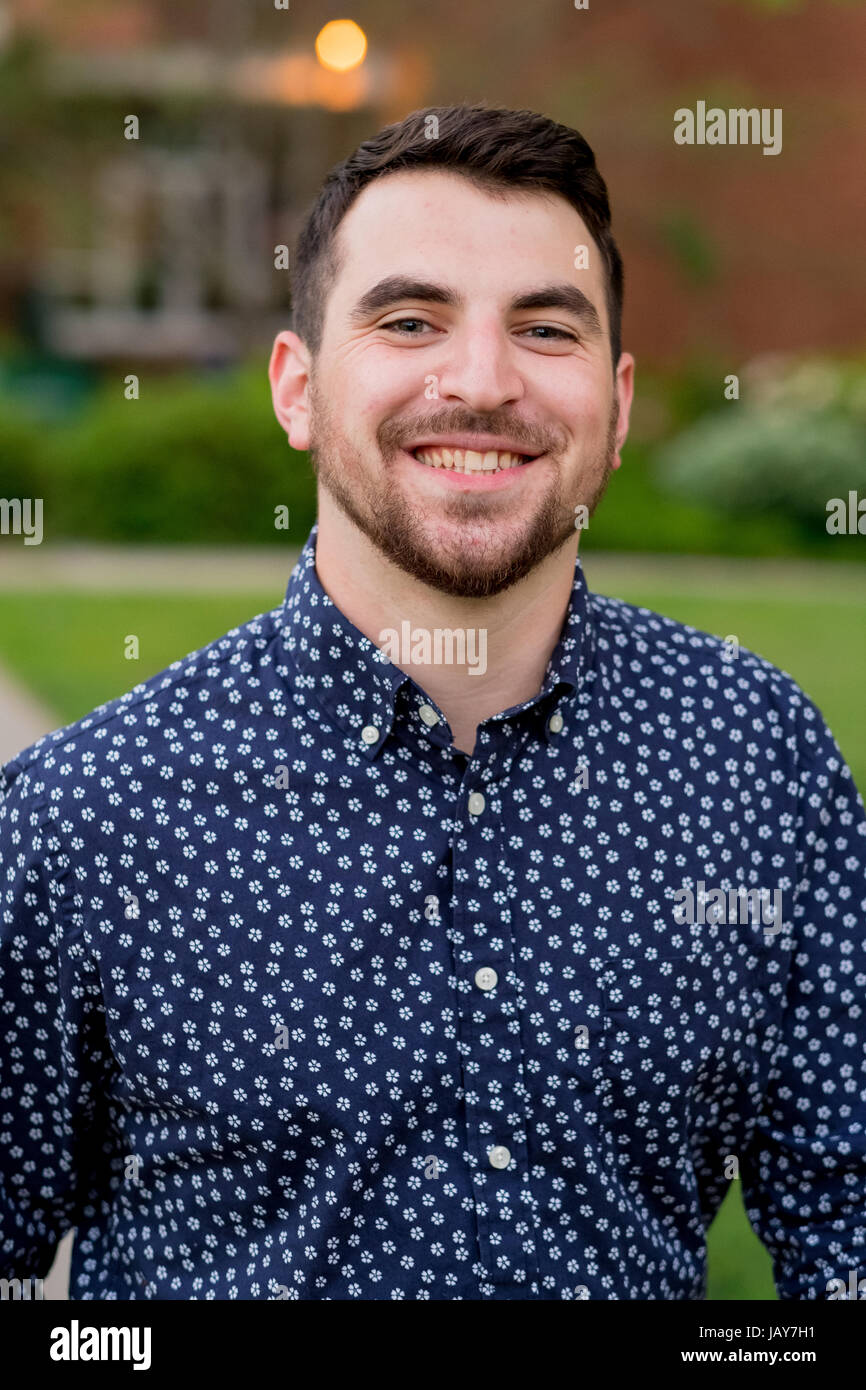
[[50, 1026], [804, 1179]]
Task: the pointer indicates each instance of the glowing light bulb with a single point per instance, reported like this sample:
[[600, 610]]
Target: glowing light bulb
[[341, 45]]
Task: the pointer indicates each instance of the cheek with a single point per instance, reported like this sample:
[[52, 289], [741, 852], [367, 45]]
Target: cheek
[[580, 401], [586, 424], [370, 388]]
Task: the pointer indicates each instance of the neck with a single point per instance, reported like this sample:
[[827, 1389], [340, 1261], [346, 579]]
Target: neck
[[502, 645]]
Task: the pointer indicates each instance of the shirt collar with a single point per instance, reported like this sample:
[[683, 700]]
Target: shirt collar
[[344, 672]]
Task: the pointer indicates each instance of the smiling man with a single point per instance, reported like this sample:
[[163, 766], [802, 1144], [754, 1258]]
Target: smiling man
[[461, 507], [340, 969]]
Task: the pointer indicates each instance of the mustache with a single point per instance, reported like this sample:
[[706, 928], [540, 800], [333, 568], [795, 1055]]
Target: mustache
[[392, 434]]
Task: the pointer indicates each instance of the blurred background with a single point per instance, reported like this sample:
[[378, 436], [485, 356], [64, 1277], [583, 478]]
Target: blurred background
[[142, 282]]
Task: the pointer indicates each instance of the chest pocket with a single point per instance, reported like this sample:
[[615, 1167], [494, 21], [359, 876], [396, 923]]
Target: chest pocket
[[677, 1033]]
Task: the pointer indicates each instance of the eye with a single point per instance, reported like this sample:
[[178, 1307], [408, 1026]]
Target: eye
[[398, 326], [553, 333]]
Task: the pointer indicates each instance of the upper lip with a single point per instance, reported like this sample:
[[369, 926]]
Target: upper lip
[[481, 443]]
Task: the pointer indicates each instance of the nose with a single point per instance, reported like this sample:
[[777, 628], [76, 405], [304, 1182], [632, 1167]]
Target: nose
[[478, 367]]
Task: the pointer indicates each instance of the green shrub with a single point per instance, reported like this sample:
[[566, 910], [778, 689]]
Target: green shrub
[[795, 440], [637, 515], [22, 462], [200, 462]]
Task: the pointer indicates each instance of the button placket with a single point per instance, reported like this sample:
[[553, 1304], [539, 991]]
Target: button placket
[[495, 1083], [494, 1076]]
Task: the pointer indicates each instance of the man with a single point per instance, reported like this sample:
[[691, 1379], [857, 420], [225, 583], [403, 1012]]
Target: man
[[393, 946]]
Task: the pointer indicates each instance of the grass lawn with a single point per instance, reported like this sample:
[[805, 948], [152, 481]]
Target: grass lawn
[[69, 649]]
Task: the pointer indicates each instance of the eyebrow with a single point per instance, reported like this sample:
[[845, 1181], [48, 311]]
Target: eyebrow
[[393, 288]]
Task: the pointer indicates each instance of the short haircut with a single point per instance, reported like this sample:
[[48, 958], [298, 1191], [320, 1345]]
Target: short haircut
[[496, 149]]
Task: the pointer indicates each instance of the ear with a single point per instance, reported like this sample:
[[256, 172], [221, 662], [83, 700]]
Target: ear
[[625, 392], [289, 375]]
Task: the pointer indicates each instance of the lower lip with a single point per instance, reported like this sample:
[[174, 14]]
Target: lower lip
[[474, 482]]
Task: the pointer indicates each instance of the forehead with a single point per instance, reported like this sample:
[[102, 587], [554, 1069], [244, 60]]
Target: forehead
[[438, 224]]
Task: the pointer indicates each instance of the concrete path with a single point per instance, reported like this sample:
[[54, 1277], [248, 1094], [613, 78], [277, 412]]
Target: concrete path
[[116, 568], [22, 718], [203, 569]]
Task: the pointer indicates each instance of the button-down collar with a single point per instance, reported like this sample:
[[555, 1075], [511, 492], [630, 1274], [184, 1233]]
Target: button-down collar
[[358, 685]]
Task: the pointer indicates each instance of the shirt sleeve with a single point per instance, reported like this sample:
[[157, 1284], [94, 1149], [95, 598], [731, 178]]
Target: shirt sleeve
[[804, 1177], [50, 1026]]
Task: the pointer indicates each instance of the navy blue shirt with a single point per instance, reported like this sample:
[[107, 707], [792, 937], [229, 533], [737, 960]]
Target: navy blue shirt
[[298, 1001]]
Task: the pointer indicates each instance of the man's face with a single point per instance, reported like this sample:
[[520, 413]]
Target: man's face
[[451, 357]]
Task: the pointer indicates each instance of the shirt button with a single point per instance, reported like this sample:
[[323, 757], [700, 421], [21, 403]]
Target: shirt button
[[486, 978], [370, 733], [500, 1157], [429, 715], [554, 723], [476, 804]]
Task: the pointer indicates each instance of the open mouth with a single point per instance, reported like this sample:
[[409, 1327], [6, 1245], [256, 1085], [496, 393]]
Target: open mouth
[[471, 460]]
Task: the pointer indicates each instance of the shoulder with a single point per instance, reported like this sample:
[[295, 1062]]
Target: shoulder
[[195, 687], [679, 661]]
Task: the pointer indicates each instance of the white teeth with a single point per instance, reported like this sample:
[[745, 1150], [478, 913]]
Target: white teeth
[[469, 460]]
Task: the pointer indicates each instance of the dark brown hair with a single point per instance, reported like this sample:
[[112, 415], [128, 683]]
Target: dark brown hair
[[494, 148]]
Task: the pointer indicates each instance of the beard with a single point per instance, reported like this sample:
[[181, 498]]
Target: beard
[[488, 553]]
